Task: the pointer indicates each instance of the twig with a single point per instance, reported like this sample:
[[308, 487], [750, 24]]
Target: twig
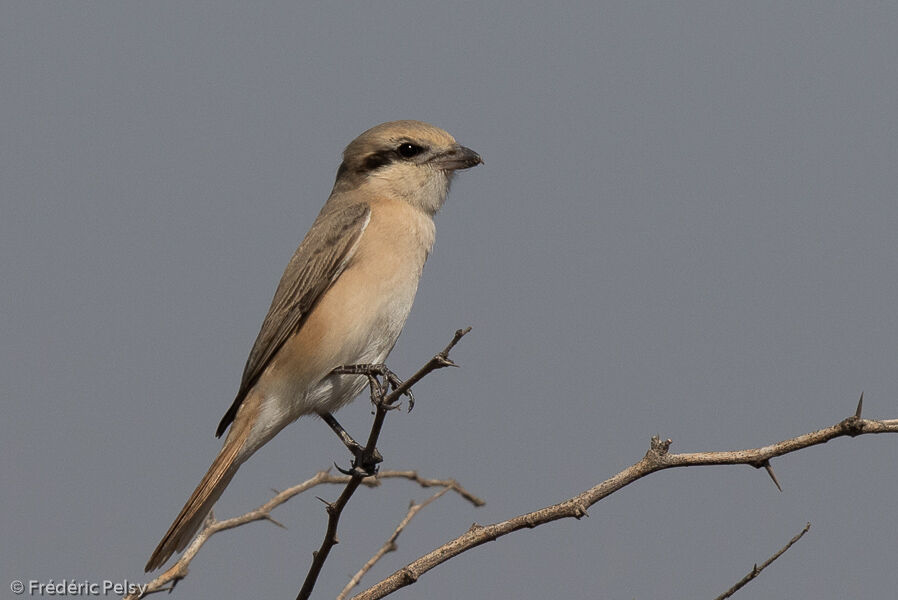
[[656, 459], [426, 483], [382, 405], [390, 544], [179, 570], [756, 570]]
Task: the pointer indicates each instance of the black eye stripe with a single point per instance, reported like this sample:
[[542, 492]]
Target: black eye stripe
[[381, 158], [377, 160]]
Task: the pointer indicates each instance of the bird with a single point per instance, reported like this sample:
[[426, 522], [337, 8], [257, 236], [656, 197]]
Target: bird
[[343, 299]]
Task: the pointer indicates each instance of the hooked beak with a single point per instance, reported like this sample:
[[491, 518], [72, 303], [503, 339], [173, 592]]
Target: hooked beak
[[458, 157]]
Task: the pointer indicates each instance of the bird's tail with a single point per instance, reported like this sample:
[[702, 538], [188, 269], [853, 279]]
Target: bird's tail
[[204, 496]]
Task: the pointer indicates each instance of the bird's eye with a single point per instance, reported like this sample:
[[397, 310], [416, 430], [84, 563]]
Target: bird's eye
[[408, 150]]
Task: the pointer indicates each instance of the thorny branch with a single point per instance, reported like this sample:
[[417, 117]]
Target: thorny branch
[[383, 403], [658, 458], [390, 544], [167, 580]]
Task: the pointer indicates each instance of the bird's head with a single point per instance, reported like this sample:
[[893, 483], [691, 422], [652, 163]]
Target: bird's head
[[411, 159]]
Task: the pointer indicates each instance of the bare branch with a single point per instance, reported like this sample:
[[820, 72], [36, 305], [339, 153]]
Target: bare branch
[[166, 581], [390, 544], [383, 403], [179, 570], [756, 570], [440, 360], [426, 483], [656, 459]]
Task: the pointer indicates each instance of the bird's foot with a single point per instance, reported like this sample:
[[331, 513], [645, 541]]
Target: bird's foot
[[379, 391], [362, 466]]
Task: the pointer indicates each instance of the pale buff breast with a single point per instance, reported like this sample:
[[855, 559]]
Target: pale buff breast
[[357, 320]]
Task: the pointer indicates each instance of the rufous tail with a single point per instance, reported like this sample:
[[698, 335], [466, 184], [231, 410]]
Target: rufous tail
[[204, 496]]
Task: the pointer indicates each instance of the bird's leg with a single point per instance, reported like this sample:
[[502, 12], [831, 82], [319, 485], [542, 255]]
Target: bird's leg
[[353, 446], [378, 392], [369, 466], [362, 464]]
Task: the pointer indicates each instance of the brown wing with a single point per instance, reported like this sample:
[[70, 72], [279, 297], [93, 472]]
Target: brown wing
[[315, 265]]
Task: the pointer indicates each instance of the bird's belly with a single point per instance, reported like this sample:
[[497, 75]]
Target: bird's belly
[[357, 321]]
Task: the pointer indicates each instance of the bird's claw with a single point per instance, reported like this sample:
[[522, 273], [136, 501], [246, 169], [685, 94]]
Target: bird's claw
[[395, 383], [362, 465], [358, 471], [379, 392]]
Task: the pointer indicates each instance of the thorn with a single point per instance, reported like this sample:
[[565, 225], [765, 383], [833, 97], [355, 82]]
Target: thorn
[[445, 361], [860, 406], [270, 518], [326, 503], [769, 470]]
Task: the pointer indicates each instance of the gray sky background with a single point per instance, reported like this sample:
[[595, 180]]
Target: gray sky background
[[686, 226]]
